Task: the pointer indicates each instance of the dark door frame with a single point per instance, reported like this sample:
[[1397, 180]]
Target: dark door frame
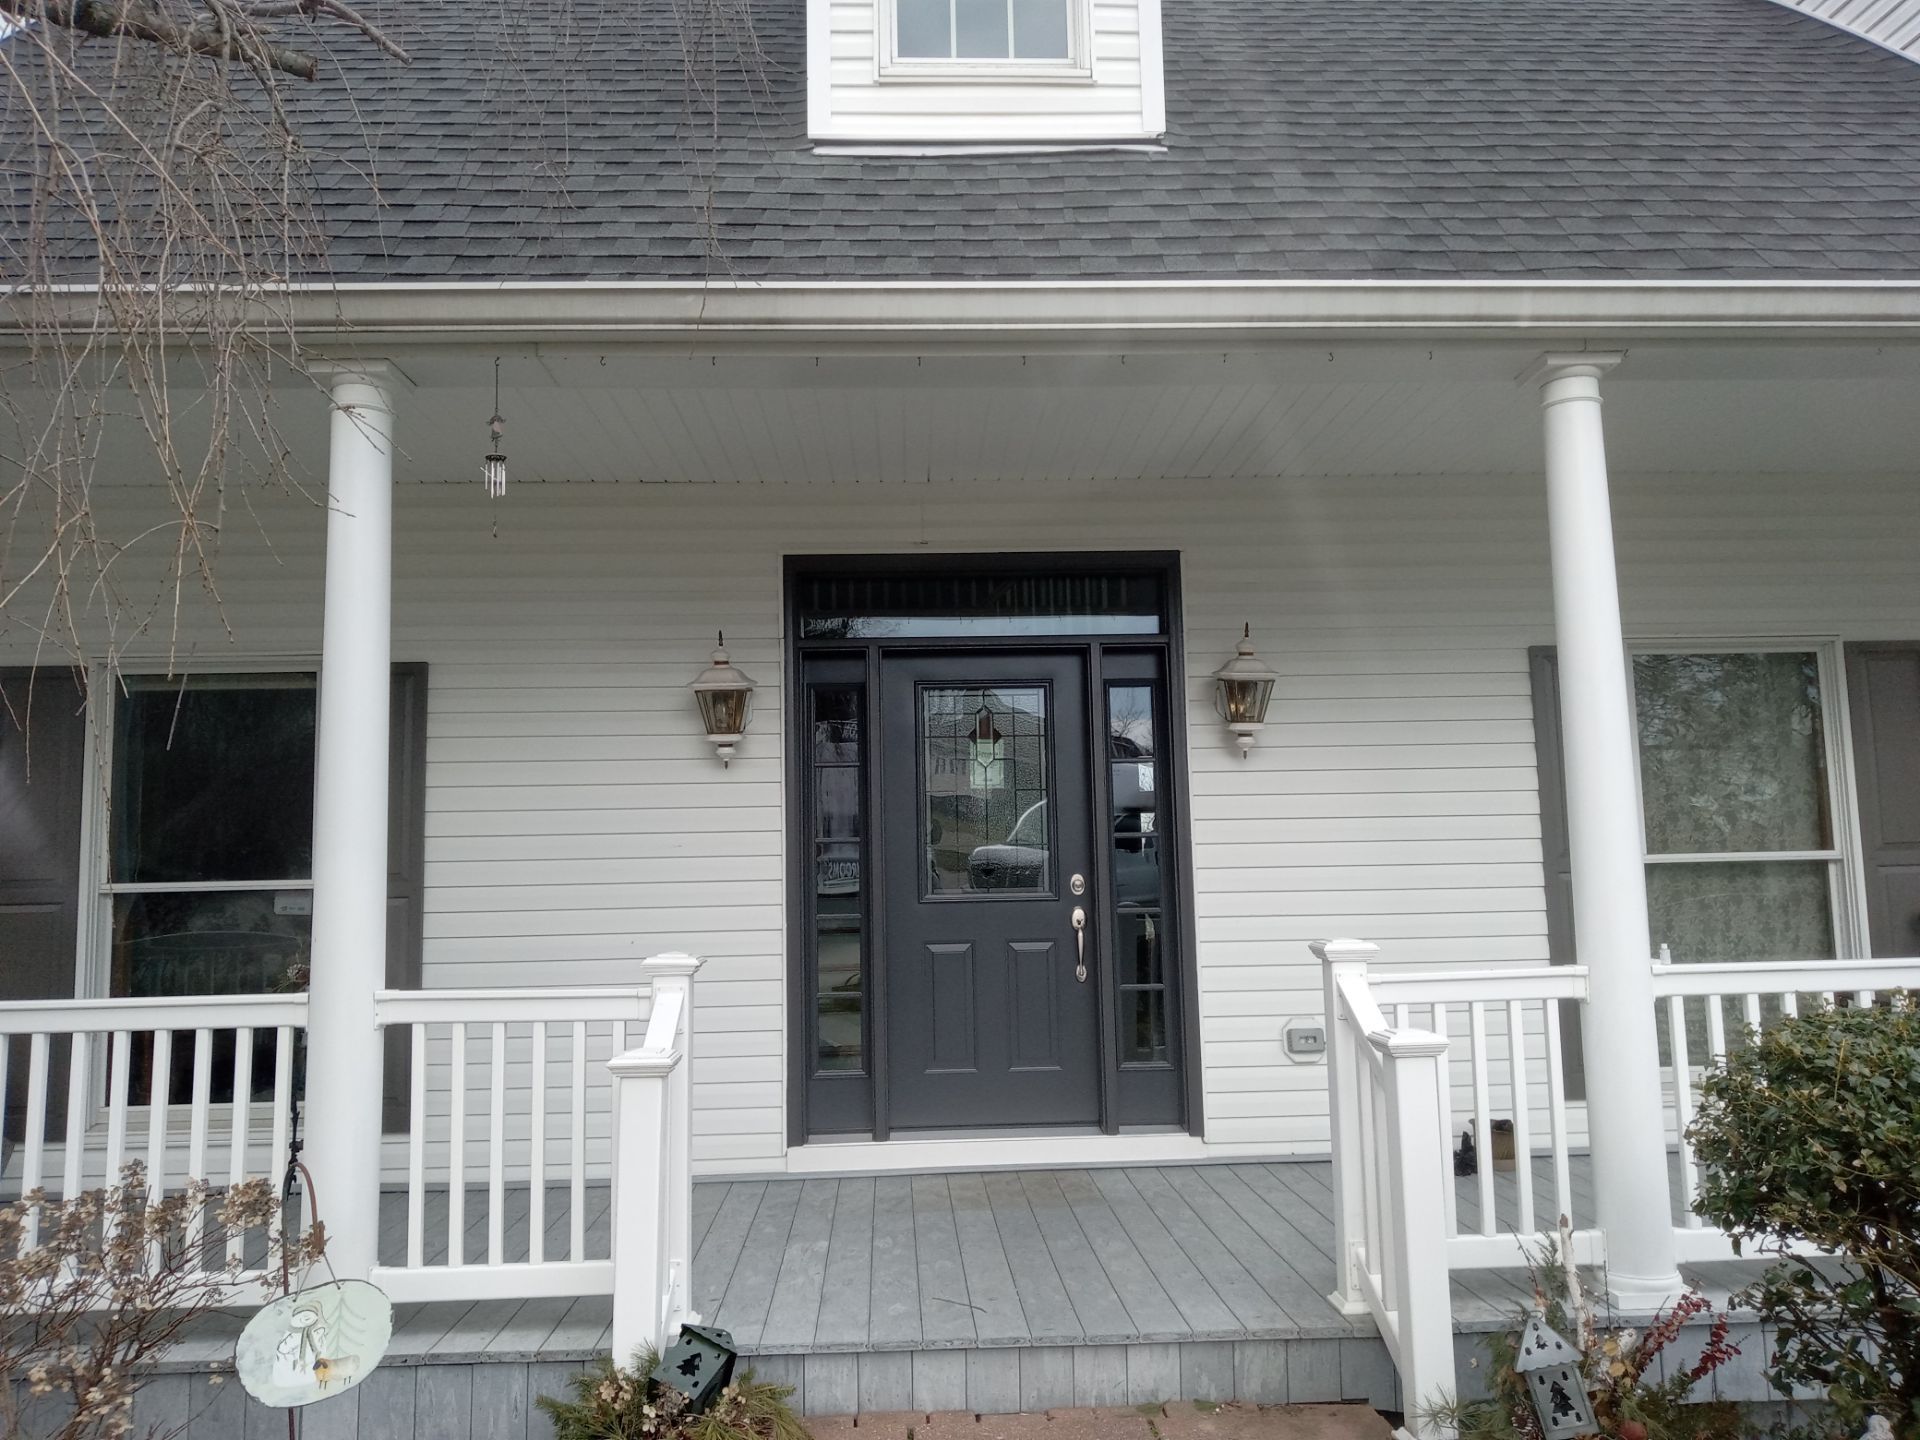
[[1164, 565]]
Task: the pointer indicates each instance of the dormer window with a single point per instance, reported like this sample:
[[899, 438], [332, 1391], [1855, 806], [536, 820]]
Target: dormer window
[[997, 38], [944, 76]]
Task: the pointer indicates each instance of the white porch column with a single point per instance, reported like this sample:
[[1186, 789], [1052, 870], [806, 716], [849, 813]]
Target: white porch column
[[1625, 1120], [343, 1085]]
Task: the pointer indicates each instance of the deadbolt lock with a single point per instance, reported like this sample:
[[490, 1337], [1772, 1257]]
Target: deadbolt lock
[[1078, 884]]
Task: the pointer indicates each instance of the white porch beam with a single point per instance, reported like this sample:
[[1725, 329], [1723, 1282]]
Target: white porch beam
[[343, 1083], [1625, 1119]]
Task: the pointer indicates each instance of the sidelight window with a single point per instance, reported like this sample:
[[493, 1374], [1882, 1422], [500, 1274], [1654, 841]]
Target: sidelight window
[[838, 864], [1139, 909]]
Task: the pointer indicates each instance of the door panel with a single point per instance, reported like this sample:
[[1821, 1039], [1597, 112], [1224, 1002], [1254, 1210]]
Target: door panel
[[986, 814]]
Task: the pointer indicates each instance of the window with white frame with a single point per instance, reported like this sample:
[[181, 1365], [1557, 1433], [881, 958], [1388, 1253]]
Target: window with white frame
[[208, 882], [1743, 798], [992, 35]]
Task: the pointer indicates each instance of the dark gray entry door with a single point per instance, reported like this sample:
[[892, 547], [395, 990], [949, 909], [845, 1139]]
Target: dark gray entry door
[[987, 823]]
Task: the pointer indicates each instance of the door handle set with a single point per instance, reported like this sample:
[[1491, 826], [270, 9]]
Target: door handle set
[[1080, 943]]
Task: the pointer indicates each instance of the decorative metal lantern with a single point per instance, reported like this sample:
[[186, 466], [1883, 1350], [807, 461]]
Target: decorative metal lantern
[[699, 1364], [725, 694], [493, 469], [1242, 688], [1551, 1368]]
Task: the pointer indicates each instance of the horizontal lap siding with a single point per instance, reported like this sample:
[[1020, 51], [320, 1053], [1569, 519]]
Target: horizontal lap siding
[[577, 821]]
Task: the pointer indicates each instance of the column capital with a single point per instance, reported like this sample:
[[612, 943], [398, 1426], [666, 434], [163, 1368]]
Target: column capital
[[1554, 365], [381, 374]]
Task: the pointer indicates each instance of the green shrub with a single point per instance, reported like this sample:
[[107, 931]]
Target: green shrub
[[610, 1403], [1811, 1132]]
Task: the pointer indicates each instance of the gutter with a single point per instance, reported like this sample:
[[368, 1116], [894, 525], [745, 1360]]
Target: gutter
[[1059, 313]]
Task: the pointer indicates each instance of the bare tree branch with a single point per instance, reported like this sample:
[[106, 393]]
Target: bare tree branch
[[227, 30]]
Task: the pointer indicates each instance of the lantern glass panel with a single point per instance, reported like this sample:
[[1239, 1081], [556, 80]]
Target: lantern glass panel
[[1245, 701], [724, 711]]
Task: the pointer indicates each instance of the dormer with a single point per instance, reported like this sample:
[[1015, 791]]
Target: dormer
[[910, 75]]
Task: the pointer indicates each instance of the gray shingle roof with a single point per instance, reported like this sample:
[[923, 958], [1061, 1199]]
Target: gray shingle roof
[[1307, 138]]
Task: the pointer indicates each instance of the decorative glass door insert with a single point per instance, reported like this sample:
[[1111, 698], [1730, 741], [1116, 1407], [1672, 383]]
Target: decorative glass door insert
[[985, 790]]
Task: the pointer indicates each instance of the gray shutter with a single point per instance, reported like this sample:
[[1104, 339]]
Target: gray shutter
[[1883, 694], [1555, 851], [406, 868], [43, 739]]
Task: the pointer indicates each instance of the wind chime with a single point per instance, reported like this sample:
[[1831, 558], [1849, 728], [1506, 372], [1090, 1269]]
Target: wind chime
[[493, 470]]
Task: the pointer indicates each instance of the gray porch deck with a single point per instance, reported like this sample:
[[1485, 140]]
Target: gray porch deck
[[982, 1291]]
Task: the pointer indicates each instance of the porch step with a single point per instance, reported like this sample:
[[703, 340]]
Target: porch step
[[1179, 1421], [1038, 1378]]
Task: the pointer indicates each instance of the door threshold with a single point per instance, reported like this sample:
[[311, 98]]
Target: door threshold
[[1016, 1150]]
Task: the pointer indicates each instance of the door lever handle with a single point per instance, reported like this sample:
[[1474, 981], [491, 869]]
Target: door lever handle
[[1080, 943]]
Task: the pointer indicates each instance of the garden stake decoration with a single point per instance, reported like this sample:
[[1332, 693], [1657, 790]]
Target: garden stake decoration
[[1552, 1370]]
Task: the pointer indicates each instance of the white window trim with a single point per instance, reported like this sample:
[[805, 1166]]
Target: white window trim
[[1077, 69], [1847, 891], [93, 964]]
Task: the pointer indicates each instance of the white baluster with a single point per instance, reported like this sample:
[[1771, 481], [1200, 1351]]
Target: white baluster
[[537, 1150], [417, 1147], [497, 1146], [457, 1148]]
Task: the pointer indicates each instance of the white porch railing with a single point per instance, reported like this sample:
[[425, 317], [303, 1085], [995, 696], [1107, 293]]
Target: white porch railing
[[1491, 1052], [119, 1064], [516, 1098], [508, 1095], [1699, 1000]]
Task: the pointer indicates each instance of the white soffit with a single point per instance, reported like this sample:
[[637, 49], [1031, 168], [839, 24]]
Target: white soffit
[[1891, 24]]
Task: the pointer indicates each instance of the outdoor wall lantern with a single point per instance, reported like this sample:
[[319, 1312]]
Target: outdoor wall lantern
[[725, 694], [1551, 1368], [1242, 688], [493, 469]]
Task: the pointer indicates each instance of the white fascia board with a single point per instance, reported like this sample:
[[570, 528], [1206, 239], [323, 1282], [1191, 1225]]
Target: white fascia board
[[1103, 313]]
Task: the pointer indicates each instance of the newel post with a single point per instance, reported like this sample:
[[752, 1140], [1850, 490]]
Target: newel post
[[1626, 1119], [653, 1166], [1343, 960], [674, 972], [1416, 1083]]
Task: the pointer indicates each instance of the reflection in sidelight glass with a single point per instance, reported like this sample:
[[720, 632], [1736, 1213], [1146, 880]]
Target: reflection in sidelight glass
[[837, 861], [984, 779], [1133, 757]]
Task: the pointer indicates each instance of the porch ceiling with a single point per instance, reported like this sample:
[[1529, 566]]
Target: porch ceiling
[[581, 414]]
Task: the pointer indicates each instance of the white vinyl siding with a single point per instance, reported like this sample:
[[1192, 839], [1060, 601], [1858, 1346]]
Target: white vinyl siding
[[578, 821], [855, 98]]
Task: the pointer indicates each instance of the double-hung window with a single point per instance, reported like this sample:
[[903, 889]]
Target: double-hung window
[[1744, 803], [209, 856]]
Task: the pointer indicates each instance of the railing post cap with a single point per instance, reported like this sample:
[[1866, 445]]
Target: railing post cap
[[639, 1065], [1408, 1044], [1344, 952], [673, 962]]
